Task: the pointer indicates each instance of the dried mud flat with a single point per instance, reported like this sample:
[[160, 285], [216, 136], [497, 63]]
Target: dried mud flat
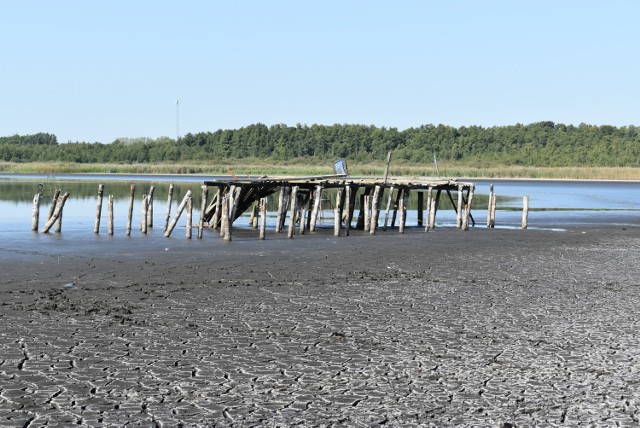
[[448, 328]]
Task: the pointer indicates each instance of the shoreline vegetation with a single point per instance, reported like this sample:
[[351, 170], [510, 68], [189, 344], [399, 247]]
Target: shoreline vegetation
[[311, 166]]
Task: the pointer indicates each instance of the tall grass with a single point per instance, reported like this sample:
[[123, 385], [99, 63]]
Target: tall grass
[[315, 167]]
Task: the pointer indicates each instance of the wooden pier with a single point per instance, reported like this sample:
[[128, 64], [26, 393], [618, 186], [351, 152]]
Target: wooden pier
[[301, 198]]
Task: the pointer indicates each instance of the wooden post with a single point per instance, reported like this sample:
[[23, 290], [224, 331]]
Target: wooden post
[[263, 217], [429, 196], [169, 202], [303, 215], [395, 207], [347, 203], [460, 207], [143, 217], [96, 227], [336, 214], [217, 212], [35, 216], [233, 202], [367, 212], [525, 211], [489, 206], [177, 215], [59, 221], [110, 215], [189, 217], [283, 200], [404, 202], [431, 221], [386, 215], [56, 213], [225, 226], [253, 219], [293, 209], [150, 207], [386, 168], [316, 208], [203, 207], [420, 209], [467, 211], [130, 216], [54, 201], [374, 210]]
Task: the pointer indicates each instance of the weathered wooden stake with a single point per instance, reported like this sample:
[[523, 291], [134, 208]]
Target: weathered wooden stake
[[169, 202], [347, 203], [367, 212], [386, 168], [431, 221], [263, 217], [225, 226], [177, 215], [459, 211], [316, 208], [150, 207], [96, 227], [303, 215], [404, 202], [203, 207], [54, 201], [467, 211], [130, 216], [282, 208], [59, 221], [489, 205], [35, 217], [56, 213], [143, 216], [493, 211], [386, 215], [217, 213], [110, 215], [395, 207], [336, 214], [374, 210], [525, 211], [294, 211], [189, 217]]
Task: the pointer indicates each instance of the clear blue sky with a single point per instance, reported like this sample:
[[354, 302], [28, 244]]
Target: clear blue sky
[[96, 71]]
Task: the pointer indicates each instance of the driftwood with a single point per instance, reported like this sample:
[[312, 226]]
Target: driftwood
[[57, 213]]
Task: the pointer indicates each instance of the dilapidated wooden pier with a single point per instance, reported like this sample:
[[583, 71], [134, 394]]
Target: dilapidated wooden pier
[[381, 202]]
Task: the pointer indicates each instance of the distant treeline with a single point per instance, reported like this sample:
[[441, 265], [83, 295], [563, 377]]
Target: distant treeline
[[536, 144]]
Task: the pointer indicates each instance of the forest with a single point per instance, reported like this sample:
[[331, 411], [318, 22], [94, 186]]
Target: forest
[[539, 144]]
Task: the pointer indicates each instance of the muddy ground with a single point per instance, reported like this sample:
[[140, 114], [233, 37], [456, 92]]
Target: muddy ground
[[446, 328]]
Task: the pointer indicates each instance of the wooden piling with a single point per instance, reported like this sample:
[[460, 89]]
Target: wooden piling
[[386, 168], [293, 209], [169, 202], [217, 212], [525, 212], [177, 215], [386, 215], [203, 207], [143, 215], [150, 207], [467, 211], [489, 205], [96, 227], [303, 215], [431, 219], [189, 217], [225, 226], [56, 213], [375, 200], [283, 201], [336, 214], [54, 201], [59, 221], [316, 208], [395, 207], [130, 216], [253, 218], [347, 203], [35, 216], [367, 212], [110, 215], [493, 211], [459, 211], [404, 202], [263, 217]]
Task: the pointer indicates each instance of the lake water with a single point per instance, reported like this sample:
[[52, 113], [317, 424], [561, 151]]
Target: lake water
[[553, 204]]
